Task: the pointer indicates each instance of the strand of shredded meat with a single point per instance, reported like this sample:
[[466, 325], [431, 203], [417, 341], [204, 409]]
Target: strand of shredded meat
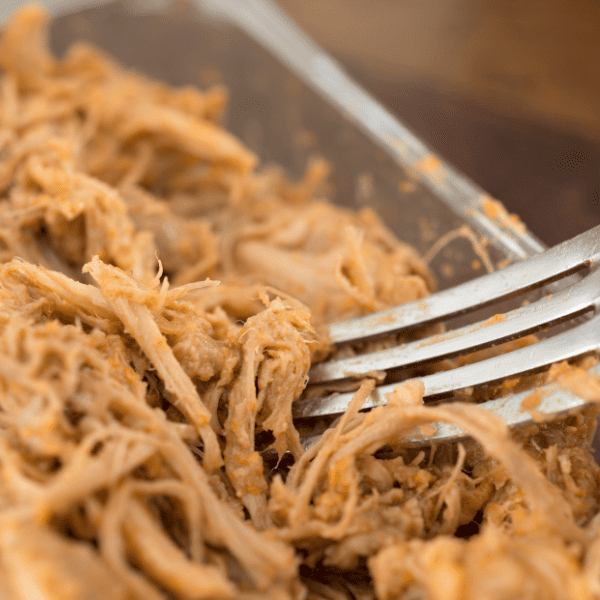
[[137, 397]]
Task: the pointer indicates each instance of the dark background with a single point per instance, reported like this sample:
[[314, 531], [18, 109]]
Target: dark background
[[507, 91]]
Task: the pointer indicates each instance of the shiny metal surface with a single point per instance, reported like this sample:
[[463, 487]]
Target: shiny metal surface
[[568, 303], [562, 260], [573, 301], [583, 339], [550, 310], [553, 401]]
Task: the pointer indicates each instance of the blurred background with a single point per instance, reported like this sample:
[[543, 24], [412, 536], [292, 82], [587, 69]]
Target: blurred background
[[507, 91]]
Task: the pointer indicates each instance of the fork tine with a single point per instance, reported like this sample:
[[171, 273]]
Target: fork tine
[[553, 401], [572, 343], [579, 340], [571, 302], [539, 270]]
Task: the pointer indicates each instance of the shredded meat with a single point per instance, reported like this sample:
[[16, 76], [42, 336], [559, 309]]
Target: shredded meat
[[137, 396]]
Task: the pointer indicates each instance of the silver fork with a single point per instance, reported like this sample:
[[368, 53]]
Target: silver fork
[[579, 254]]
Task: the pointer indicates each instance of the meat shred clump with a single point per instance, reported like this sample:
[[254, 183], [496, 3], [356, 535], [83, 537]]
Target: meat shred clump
[[137, 396]]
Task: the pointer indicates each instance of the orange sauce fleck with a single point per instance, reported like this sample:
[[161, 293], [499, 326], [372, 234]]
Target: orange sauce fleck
[[429, 165], [428, 429], [386, 319], [509, 384], [448, 270], [531, 401], [407, 187], [495, 319], [493, 209]]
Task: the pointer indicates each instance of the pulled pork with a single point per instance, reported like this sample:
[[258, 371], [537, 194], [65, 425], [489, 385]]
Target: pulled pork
[[136, 397]]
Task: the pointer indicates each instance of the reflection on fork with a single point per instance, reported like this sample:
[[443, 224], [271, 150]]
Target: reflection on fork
[[580, 254]]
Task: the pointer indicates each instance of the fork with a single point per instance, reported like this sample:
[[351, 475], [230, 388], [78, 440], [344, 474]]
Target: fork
[[579, 255]]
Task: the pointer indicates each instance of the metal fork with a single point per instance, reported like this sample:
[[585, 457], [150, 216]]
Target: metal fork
[[579, 254]]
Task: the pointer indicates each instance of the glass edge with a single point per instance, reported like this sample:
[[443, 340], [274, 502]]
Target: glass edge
[[271, 27]]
